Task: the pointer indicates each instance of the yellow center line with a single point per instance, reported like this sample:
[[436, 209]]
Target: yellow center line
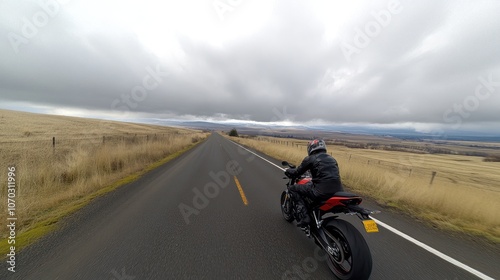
[[243, 197]]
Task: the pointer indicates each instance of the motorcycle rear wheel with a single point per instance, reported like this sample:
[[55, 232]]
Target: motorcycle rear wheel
[[286, 208], [353, 259]]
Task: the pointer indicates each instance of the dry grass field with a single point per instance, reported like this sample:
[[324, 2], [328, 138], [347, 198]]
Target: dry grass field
[[464, 194], [90, 157]]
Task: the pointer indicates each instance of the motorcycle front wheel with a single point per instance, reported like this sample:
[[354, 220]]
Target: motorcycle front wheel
[[350, 257], [286, 207]]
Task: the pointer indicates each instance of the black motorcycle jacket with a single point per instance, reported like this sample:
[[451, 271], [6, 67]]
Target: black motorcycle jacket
[[324, 172]]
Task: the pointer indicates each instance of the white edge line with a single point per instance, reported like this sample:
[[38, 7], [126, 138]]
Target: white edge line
[[272, 163], [403, 235], [434, 251]]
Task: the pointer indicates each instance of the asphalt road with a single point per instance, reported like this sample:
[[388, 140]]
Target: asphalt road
[[160, 227]]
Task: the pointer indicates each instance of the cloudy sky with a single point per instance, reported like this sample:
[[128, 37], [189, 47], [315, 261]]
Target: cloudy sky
[[423, 64]]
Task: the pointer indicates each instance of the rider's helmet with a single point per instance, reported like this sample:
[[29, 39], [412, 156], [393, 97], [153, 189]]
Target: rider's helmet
[[316, 145]]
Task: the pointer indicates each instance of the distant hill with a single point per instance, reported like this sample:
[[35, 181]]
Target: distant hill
[[271, 129]]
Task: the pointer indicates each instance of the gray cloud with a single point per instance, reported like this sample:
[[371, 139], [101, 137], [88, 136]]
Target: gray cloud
[[426, 60]]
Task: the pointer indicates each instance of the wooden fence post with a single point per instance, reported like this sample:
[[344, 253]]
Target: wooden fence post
[[433, 176], [53, 142]]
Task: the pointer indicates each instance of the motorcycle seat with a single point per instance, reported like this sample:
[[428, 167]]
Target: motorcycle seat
[[315, 204], [345, 194]]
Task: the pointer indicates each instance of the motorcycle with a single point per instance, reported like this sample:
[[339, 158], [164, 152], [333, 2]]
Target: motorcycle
[[348, 253]]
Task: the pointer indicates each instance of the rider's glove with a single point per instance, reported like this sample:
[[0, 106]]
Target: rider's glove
[[290, 172]]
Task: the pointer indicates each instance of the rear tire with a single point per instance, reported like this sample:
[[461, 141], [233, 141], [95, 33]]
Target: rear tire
[[286, 207], [354, 260]]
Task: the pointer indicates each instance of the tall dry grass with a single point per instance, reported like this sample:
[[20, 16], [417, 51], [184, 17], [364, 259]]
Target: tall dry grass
[[49, 179], [464, 195]]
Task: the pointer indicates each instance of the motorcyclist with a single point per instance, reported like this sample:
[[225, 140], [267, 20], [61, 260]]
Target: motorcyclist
[[325, 179]]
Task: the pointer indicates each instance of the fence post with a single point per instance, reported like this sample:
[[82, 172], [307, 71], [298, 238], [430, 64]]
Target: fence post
[[53, 142], [433, 175]]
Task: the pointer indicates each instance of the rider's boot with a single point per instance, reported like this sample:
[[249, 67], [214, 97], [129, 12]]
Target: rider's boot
[[304, 219]]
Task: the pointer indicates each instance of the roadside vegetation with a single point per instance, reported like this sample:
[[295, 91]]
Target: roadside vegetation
[[87, 159], [492, 158], [454, 192], [233, 133]]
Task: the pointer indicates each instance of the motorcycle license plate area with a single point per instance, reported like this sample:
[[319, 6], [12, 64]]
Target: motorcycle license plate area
[[370, 226]]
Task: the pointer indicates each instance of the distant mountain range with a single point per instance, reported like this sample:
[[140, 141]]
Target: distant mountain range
[[253, 128], [412, 134]]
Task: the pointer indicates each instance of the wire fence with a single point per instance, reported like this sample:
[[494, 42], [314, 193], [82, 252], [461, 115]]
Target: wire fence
[[405, 165], [61, 145]]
